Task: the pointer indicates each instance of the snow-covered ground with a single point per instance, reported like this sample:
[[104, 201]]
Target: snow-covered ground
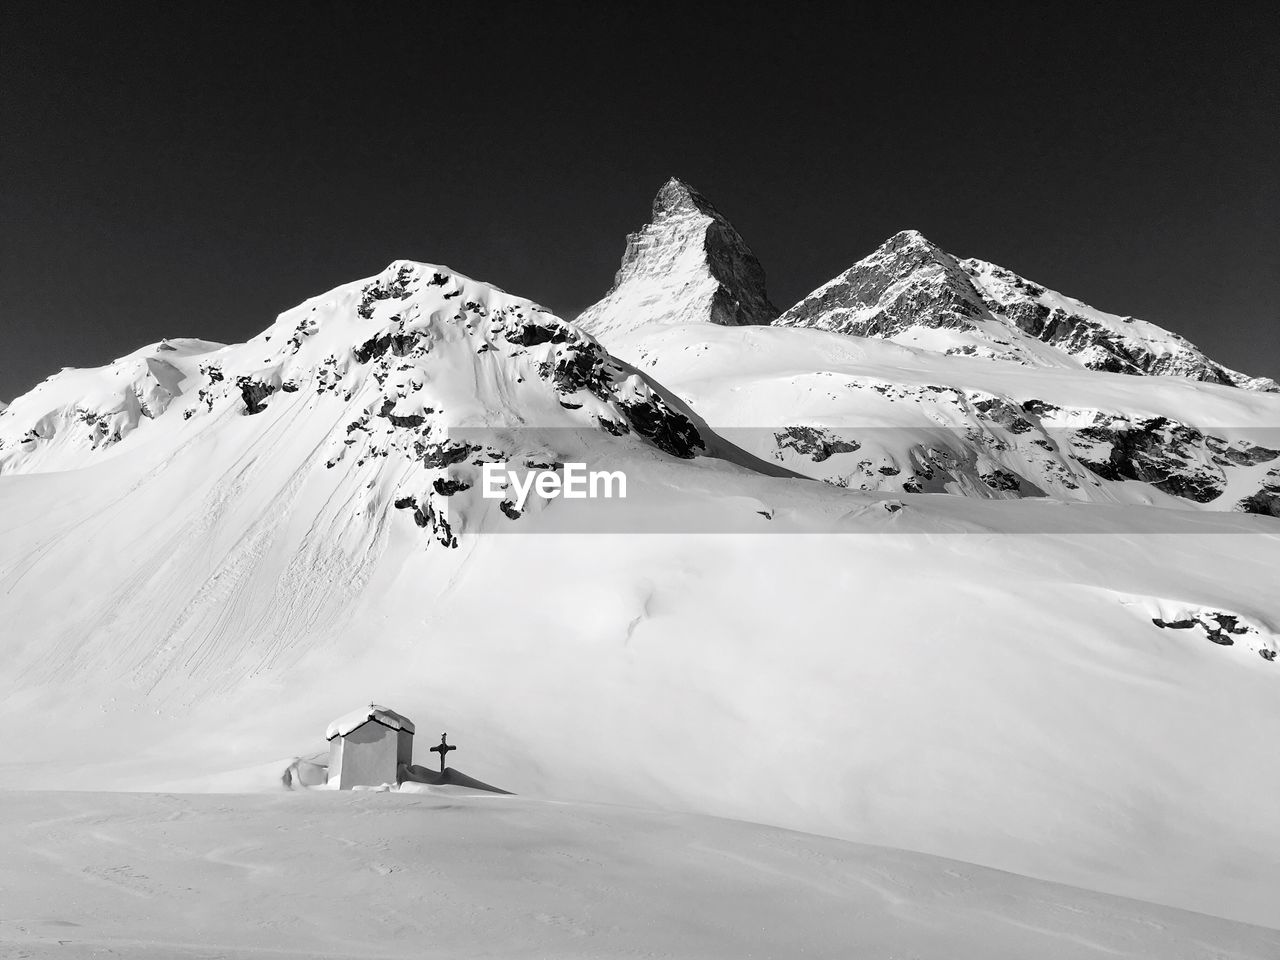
[[441, 874]]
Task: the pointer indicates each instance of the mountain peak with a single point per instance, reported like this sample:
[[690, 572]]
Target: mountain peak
[[396, 363], [915, 247], [676, 196], [909, 238], [911, 291], [913, 240], [688, 264]]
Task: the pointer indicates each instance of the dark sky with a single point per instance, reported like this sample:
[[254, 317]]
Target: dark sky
[[193, 169]]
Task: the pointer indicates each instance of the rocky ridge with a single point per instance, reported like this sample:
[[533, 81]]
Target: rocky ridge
[[913, 292]]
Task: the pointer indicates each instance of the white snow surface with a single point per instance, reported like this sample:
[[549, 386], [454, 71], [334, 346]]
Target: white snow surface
[[974, 679], [50, 427], [332, 875], [358, 718]]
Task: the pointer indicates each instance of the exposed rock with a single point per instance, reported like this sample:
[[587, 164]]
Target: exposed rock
[[815, 443], [1173, 457], [687, 265], [384, 287], [533, 333], [411, 420], [1266, 501], [907, 282], [1220, 628], [447, 453], [447, 487], [668, 430], [426, 516], [254, 392]]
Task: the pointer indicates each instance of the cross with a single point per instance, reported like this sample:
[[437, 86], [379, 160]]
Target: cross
[[442, 748]]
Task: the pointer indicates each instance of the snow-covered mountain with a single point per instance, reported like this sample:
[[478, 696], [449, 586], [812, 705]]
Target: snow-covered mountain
[[687, 264], [265, 535], [912, 292], [415, 358]]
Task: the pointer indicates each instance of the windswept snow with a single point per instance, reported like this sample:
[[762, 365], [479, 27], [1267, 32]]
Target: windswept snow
[[78, 411], [420, 876]]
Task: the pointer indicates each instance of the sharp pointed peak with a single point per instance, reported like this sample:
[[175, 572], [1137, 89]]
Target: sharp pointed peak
[[676, 195]]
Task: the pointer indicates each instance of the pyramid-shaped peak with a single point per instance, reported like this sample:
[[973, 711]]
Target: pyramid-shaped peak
[[908, 251], [676, 196], [688, 264]]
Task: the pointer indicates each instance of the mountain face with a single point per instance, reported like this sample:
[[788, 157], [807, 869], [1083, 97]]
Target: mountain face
[[912, 292], [688, 264]]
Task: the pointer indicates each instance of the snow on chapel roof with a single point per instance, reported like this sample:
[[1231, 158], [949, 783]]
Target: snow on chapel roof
[[349, 721]]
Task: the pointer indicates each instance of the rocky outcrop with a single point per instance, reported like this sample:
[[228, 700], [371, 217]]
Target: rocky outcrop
[[254, 393], [688, 264], [1224, 629], [1266, 500], [1173, 457]]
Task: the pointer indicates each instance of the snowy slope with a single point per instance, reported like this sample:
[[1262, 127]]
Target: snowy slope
[[872, 415], [76, 410], [289, 539], [414, 876], [687, 265], [912, 292]]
